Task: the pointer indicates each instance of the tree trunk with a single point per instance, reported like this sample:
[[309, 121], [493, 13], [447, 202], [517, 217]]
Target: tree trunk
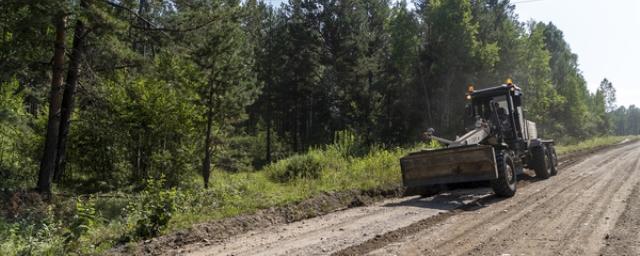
[[268, 153], [47, 165], [427, 96], [68, 97], [139, 43], [206, 163]]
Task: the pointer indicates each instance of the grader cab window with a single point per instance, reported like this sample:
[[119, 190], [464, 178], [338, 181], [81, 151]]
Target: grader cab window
[[482, 107]]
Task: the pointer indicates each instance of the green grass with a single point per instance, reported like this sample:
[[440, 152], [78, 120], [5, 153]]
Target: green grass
[[232, 194], [592, 143]]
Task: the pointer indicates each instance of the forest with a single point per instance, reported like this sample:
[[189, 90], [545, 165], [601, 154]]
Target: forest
[[154, 97]]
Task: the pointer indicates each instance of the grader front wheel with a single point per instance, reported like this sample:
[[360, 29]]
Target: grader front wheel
[[505, 184]]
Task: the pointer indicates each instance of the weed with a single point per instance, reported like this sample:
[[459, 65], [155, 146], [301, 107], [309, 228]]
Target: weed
[[592, 143], [306, 166], [152, 211], [83, 220]]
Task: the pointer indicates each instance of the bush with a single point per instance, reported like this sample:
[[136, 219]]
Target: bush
[[18, 139], [112, 206], [28, 226], [156, 210], [82, 221], [306, 166], [348, 144]]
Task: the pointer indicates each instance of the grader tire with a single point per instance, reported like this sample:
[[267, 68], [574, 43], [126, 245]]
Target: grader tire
[[505, 184], [541, 162], [551, 153]]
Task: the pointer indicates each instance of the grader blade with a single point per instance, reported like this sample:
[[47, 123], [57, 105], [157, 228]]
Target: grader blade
[[449, 165]]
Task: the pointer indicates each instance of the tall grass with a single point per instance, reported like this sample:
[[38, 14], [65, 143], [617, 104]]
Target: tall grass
[[289, 180], [592, 143]]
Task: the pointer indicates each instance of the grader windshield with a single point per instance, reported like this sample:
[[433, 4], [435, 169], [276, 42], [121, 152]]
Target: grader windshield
[[482, 107]]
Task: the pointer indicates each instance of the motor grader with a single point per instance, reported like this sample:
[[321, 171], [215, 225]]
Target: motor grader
[[498, 147]]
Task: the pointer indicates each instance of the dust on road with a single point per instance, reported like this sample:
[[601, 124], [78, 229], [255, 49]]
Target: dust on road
[[591, 207]]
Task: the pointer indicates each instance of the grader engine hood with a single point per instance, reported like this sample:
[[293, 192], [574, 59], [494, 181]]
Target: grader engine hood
[[449, 165]]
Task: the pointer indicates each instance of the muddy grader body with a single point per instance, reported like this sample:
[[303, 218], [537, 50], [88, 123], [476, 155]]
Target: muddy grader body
[[498, 147]]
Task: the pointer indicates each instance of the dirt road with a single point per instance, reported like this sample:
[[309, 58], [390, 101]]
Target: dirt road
[[591, 207]]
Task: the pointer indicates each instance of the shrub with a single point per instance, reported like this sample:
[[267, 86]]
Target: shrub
[[18, 140], [348, 144], [305, 166], [82, 221], [156, 209], [112, 207]]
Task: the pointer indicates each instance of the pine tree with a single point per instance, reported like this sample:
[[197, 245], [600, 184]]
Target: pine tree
[[47, 165], [400, 89], [227, 84]]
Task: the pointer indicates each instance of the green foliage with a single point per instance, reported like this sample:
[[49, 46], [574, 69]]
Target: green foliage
[[157, 207], [569, 83], [82, 221], [29, 239], [305, 166], [626, 120], [541, 97], [299, 73], [593, 143], [28, 226], [451, 54], [239, 154], [348, 88], [247, 153], [18, 140], [145, 130], [347, 143]]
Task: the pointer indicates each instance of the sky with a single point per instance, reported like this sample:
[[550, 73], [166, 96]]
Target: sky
[[604, 34]]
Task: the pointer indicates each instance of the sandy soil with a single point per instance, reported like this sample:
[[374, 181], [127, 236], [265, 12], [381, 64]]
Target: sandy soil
[[591, 207]]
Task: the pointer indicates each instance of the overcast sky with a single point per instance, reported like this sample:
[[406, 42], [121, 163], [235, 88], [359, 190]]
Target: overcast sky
[[604, 34]]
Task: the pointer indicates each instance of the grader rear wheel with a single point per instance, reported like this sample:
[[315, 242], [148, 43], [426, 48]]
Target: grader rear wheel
[[541, 162]]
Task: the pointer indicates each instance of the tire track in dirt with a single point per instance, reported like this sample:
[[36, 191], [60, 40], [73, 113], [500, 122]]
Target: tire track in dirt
[[624, 239], [546, 217], [586, 227], [522, 208], [555, 219], [568, 197]]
